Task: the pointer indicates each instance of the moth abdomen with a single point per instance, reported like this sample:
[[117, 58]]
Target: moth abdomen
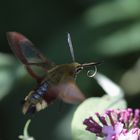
[[40, 91]]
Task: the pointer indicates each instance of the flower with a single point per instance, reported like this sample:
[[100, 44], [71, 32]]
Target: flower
[[116, 124], [25, 135]]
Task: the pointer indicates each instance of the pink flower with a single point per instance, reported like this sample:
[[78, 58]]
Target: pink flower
[[116, 124]]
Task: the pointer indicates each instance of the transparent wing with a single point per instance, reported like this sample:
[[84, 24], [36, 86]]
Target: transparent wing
[[25, 51]]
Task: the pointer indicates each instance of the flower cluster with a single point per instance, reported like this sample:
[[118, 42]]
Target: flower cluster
[[116, 124]]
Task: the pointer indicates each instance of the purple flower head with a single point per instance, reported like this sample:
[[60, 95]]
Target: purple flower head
[[116, 124]]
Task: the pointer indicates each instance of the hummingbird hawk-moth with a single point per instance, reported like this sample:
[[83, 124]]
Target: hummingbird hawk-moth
[[58, 82]]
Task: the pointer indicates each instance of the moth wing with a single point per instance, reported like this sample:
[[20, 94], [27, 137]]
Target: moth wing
[[70, 93], [25, 51]]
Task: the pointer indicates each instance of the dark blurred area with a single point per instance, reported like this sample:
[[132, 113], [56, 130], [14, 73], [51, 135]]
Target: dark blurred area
[[103, 30]]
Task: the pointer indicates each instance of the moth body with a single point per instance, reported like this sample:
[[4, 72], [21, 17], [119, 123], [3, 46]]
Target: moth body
[[58, 81]]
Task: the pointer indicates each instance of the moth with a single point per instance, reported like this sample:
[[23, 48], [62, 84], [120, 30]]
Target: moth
[[58, 82]]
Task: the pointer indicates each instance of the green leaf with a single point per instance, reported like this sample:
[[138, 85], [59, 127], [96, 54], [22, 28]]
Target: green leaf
[[121, 42], [6, 74], [102, 14], [88, 108], [131, 79], [9, 72]]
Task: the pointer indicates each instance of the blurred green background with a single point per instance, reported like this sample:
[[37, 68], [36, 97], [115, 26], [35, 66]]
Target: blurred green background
[[107, 30]]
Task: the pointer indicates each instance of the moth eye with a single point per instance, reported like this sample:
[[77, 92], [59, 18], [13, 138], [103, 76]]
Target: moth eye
[[77, 70]]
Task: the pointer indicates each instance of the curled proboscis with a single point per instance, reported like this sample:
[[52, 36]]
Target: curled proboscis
[[92, 73]]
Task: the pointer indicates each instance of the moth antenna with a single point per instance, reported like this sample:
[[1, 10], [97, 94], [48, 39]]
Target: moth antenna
[[71, 47]]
